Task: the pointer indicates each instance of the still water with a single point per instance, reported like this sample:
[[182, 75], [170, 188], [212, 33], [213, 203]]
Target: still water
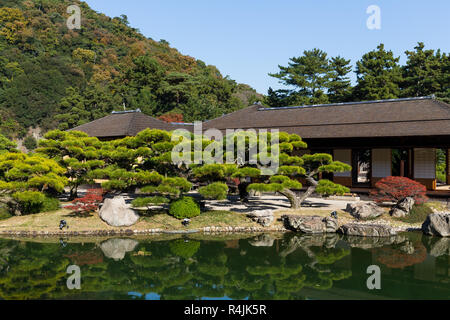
[[268, 266]]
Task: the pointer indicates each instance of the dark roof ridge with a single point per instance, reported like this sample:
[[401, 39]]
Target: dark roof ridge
[[349, 103], [127, 111], [230, 113], [130, 124]]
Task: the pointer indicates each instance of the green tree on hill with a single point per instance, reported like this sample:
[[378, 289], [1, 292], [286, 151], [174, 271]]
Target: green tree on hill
[[6, 145]]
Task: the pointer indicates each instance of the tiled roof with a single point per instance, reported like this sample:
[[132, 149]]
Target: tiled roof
[[130, 123], [385, 118]]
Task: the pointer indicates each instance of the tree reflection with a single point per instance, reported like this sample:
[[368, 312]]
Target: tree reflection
[[262, 267]]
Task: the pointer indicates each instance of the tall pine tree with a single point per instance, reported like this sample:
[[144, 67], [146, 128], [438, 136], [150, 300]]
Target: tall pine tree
[[422, 73], [308, 74], [378, 75], [339, 85]]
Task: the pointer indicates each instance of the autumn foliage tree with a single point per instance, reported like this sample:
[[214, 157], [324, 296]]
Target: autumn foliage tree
[[89, 203], [397, 189]]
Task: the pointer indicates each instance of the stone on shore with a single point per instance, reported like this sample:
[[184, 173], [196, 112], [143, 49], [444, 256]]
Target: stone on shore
[[117, 213], [366, 230], [263, 217], [310, 224], [402, 208], [437, 224], [364, 210]]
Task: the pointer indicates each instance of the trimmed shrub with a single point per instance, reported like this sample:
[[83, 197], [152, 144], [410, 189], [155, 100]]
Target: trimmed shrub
[[30, 202], [328, 188], [184, 208], [149, 201], [214, 191], [50, 204], [398, 188]]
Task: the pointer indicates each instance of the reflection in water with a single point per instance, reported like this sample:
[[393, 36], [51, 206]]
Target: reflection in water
[[266, 266]]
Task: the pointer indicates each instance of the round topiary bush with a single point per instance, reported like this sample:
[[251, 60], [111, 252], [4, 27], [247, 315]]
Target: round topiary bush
[[214, 191], [184, 208]]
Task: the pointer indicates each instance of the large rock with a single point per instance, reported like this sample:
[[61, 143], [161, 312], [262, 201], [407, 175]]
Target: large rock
[[263, 217], [367, 230], [117, 248], [310, 224], [437, 224], [364, 210], [402, 208], [117, 213]]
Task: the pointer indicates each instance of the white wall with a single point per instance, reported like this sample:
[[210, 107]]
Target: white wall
[[425, 163], [381, 163], [343, 155]]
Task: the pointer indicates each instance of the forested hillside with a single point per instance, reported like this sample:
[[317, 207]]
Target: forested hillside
[[53, 77]]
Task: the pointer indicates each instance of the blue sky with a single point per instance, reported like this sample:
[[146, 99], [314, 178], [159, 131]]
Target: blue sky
[[248, 39]]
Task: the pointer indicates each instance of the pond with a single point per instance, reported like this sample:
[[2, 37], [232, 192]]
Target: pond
[[266, 266]]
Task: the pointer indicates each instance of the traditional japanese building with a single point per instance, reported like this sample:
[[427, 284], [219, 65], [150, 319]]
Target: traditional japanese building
[[121, 124], [377, 138]]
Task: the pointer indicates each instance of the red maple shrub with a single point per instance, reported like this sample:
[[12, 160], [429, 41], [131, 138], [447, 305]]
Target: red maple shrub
[[398, 188], [87, 204]]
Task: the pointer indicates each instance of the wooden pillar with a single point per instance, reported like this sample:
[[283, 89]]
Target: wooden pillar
[[447, 167]]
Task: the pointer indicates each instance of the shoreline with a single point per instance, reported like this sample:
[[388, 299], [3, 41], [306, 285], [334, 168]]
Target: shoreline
[[149, 232], [131, 232]]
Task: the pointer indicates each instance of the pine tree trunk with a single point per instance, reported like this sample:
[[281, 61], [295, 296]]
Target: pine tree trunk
[[73, 193], [296, 202], [313, 185], [292, 197]]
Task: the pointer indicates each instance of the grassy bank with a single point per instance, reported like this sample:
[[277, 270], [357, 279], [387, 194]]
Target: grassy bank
[[49, 221]]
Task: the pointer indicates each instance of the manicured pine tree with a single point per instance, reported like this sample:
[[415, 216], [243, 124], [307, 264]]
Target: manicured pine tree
[[284, 180], [78, 153], [291, 167], [26, 181]]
